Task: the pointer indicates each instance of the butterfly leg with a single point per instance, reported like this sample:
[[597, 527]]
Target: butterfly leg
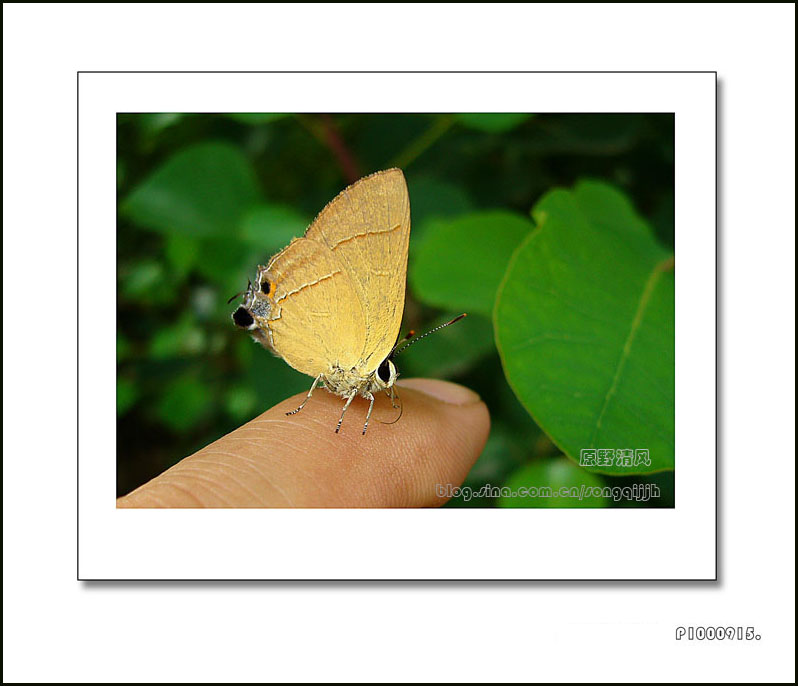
[[310, 393], [346, 407], [368, 414], [391, 393]]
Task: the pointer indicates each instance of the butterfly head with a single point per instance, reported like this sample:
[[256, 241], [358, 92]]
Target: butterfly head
[[255, 306]]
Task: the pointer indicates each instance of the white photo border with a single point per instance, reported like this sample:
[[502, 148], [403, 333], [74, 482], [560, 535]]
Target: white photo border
[[442, 544]]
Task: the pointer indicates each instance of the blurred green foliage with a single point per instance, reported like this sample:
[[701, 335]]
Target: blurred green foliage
[[555, 473], [468, 276], [583, 318]]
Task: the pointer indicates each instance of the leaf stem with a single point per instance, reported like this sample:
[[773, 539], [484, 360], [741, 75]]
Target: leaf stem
[[418, 146]]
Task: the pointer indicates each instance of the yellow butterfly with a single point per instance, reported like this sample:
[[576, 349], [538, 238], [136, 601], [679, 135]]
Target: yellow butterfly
[[331, 303]]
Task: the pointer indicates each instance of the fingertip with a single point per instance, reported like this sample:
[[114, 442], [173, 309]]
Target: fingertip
[[445, 391], [435, 439], [445, 433], [280, 460]]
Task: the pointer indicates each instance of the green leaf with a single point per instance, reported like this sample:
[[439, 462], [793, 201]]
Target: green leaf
[[273, 380], [450, 351], [271, 227], [123, 346], [585, 327], [255, 118], [227, 264], [492, 122], [558, 483], [434, 198], [146, 281], [126, 395], [498, 460], [240, 402], [181, 252], [152, 123], [182, 338], [460, 263], [202, 190], [185, 403], [121, 173], [141, 278]]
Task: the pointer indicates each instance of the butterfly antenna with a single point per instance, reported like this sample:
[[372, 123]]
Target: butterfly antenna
[[240, 293], [416, 340], [399, 348], [404, 338]]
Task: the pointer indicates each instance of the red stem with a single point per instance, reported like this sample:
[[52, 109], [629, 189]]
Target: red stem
[[343, 154]]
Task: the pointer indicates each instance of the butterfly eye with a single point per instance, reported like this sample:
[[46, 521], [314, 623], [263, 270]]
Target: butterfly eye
[[265, 287], [384, 371], [243, 318]]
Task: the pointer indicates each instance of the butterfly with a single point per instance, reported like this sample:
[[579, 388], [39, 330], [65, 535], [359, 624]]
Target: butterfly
[[330, 304]]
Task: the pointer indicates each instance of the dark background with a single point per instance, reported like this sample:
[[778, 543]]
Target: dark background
[[186, 376]]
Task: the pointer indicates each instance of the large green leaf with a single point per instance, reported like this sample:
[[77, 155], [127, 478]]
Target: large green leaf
[[552, 482], [460, 263], [203, 190], [584, 323]]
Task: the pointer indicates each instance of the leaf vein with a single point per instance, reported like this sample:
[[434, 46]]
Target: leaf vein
[[648, 289]]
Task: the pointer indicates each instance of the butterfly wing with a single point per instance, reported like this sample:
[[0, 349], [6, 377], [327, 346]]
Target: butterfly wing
[[367, 228], [316, 319]]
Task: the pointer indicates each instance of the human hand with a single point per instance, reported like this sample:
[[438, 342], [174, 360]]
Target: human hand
[[298, 461]]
